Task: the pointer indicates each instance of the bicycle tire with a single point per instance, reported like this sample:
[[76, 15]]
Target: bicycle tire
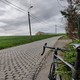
[[51, 75]]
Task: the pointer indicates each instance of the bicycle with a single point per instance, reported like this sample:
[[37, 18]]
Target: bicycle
[[52, 75], [74, 69]]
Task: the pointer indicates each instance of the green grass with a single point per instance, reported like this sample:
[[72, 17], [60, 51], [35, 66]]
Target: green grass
[[10, 41], [65, 37], [70, 57]]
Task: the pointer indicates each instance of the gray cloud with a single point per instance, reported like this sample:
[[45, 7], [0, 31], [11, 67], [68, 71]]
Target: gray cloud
[[16, 23]]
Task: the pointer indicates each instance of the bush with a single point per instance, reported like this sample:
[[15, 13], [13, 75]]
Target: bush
[[70, 57]]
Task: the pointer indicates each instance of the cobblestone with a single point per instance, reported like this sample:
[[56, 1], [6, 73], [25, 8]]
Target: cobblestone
[[18, 63]]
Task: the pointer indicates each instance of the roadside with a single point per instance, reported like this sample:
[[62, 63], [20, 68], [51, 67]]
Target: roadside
[[43, 74]]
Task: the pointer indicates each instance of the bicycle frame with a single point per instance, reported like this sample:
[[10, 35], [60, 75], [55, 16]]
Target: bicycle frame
[[75, 69]]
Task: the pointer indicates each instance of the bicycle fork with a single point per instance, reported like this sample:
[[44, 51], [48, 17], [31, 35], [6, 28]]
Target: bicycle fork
[[54, 66]]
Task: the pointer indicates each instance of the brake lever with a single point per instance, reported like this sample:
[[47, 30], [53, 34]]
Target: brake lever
[[44, 48]]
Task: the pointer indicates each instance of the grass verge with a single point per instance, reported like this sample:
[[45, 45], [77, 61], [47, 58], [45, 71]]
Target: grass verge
[[70, 57], [10, 41]]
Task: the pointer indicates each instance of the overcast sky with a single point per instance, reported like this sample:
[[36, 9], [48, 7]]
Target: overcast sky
[[45, 15]]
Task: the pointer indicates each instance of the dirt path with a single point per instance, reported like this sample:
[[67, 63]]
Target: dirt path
[[43, 74]]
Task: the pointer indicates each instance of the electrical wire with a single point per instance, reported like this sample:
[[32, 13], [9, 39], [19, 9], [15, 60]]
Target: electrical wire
[[15, 7], [39, 21], [14, 4], [61, 4]]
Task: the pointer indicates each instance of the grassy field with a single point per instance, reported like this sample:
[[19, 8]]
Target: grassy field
[[10, 41]]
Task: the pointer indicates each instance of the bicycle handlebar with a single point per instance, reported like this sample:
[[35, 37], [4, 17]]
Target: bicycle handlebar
[[45, 46]]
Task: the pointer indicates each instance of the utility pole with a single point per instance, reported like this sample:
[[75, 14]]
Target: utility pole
[[29, 24], [29, 21], [55, 29]]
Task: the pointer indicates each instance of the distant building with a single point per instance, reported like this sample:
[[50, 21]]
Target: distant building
[[43, 33], [40, 33]]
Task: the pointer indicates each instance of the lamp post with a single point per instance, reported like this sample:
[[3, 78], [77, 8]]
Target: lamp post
[[29, 20]]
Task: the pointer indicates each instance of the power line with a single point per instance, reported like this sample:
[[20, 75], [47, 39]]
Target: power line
[[38, 19], [13, 4], [15, 7], [60, 4], [35, 18]]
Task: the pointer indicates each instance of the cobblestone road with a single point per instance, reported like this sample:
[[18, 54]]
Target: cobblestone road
[[18, 63]]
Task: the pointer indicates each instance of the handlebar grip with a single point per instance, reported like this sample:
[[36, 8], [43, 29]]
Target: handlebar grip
[[44, 48]]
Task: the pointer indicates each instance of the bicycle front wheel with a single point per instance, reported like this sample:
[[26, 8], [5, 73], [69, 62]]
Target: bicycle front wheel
[[52, 75]]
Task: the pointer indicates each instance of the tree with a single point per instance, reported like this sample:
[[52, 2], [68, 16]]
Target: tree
[[71, 14]]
